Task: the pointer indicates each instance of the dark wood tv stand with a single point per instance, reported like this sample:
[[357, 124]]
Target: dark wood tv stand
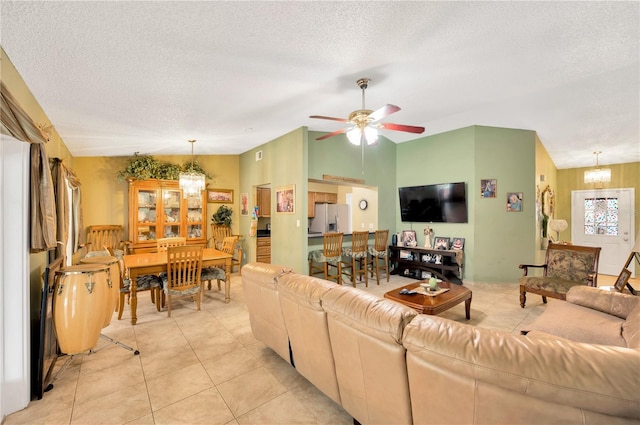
[[413, 261]]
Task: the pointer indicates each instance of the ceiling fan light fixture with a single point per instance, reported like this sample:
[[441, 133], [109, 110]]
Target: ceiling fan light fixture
[[371, 135], [354, 135], [367, 122]]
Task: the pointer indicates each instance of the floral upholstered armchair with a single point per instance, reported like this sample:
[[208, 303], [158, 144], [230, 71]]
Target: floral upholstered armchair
[[565, 266]]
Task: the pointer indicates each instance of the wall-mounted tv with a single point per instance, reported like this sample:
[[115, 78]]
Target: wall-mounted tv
[[437, 203]]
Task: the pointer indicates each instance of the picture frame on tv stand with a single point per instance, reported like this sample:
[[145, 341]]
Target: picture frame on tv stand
[[441, 242], [409, 238]]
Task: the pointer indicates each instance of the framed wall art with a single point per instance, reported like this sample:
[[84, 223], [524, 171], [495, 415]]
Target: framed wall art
[[220, 196], [286, 199], [514, 201], [488, 188], [244, 204]]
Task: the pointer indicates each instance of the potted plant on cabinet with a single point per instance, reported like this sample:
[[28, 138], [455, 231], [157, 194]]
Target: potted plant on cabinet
[[223, 216]]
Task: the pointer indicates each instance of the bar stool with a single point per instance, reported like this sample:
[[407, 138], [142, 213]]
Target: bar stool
[[379, 252], [358, 262], [329, 256]]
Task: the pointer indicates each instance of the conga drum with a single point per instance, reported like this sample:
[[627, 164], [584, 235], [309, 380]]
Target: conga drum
[[79, 303], [113, 282]]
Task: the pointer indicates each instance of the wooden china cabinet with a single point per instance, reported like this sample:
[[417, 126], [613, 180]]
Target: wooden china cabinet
[[158, 210]]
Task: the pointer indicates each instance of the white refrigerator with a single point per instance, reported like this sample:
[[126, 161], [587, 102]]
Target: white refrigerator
[[331, 218]]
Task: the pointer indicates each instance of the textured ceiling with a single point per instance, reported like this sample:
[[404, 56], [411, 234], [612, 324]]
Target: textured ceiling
[[118, 77]]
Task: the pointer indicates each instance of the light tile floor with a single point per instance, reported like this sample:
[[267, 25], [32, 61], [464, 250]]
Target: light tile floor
[[205, 367]]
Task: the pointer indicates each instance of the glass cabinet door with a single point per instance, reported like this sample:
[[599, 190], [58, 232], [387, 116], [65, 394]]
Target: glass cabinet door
[[172, 212], [194, 218], [147, 215]]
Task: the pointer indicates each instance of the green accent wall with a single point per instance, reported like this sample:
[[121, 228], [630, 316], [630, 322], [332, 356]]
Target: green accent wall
[[283, 163], [293, 159], [496, 241], [337, 157], [502, 239]]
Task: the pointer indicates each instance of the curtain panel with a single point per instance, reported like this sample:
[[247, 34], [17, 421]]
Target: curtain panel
[[16, 123], [68, 209]]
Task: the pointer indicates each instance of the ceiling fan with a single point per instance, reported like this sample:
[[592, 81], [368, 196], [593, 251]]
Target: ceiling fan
[[367, 122]]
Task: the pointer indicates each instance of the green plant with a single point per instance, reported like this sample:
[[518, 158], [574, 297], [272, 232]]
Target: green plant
[[545, 222], [223, 215], [143, 167], [191, 166]]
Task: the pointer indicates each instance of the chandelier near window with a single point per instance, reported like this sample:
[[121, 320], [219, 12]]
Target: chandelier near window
[[597, 175], [191, 182]]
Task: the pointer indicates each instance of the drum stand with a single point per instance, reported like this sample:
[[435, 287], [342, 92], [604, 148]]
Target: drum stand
[[118, 343], [91, 351]]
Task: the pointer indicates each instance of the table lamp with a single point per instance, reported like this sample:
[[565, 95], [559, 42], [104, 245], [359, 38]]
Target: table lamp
[[558, 225]]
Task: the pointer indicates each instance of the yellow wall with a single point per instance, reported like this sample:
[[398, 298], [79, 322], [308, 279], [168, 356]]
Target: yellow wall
[[105, 200], [55, 149], [546, 176], [17, 87], [625, 175]]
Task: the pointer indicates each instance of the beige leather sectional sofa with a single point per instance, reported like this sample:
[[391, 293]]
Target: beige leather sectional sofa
[[386, 364]]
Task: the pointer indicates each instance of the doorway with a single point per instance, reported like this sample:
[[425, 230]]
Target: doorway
[[15, 322], [604, 218]]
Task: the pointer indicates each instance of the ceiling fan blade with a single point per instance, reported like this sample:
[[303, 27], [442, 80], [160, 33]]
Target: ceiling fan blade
[[386, 110], [401, 127], [335, 133], [329, 118]]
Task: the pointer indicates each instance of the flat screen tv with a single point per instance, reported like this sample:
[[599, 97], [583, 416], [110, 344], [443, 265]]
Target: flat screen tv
[[434, 203]]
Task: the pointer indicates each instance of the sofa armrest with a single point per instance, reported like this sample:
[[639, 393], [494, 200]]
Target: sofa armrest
[[592, 377], [614, 303], [525, 267]]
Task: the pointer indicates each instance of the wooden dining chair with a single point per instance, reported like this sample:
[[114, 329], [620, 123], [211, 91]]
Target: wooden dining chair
[[218, 233], [231, 245], [330, 256], [184, 265], [378, 254], [357, 266], [105, 236], [163, 243], [148, 282], [216, 273]]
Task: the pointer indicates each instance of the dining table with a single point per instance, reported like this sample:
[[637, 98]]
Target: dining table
[[156, 263]]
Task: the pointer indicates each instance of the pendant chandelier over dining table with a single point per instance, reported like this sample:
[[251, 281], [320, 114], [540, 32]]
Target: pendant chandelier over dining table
[[192, 182]]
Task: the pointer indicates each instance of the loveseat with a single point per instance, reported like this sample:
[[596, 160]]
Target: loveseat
[[386, 364]]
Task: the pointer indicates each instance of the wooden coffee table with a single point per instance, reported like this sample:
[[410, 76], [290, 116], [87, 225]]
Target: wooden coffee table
[[433, 305]]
